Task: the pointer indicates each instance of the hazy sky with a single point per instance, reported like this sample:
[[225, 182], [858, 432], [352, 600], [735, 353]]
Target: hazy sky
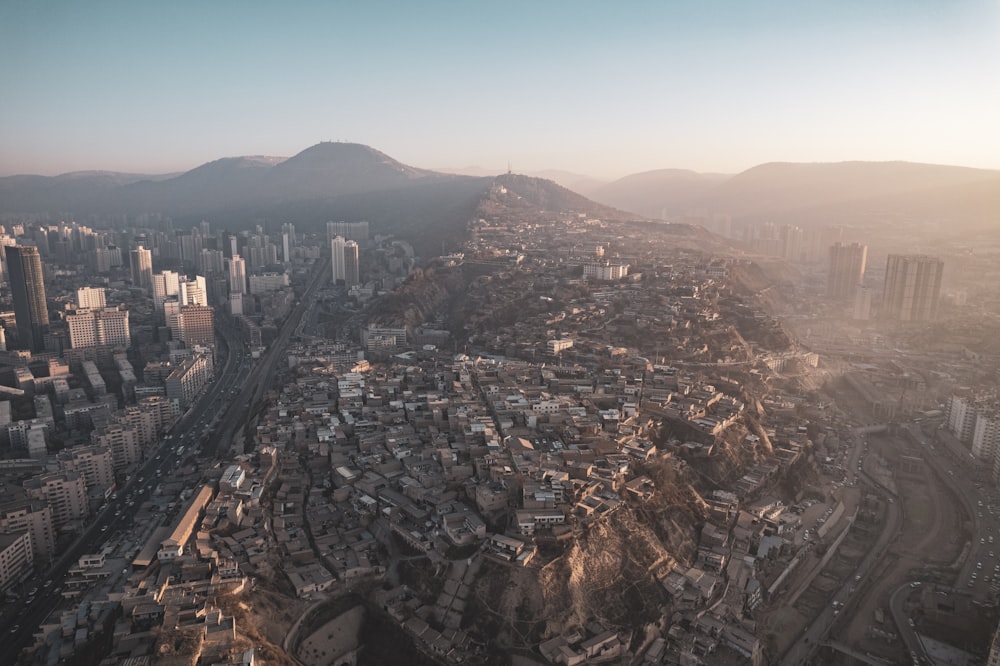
[[599, 88]]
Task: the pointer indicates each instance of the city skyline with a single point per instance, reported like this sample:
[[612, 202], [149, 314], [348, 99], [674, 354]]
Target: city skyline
[[583, 87]]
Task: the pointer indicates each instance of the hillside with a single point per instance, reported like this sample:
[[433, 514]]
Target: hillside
[[517, 198]]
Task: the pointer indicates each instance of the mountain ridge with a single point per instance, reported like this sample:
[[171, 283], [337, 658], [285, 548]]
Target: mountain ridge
[[334, 178]]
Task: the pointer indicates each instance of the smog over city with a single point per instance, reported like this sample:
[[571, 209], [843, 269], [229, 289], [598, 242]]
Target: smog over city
[[520, 334]]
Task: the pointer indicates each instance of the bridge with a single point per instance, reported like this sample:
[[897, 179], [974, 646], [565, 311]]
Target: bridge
[[860, 656]]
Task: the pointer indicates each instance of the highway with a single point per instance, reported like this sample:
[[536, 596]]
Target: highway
[[979, 575], [816, 632], [249, 394]]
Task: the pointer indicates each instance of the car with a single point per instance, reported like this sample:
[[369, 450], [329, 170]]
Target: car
[[104, 528], [47, 583], [33, 592], [16, 628]]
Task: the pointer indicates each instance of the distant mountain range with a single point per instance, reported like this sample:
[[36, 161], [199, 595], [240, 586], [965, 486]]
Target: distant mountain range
[[811, 194], [353, 181]]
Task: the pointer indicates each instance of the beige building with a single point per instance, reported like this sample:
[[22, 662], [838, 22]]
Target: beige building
[[66, 493], [16, 558], [95, 463], [107, 327], [35, 517], [122, 439], [193, 325], [184, 383], [173, 546], [146, 423]]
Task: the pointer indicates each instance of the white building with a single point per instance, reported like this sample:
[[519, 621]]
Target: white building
[[237, 275], [604, 271], [99, 328], [337, 248], [91, 298]]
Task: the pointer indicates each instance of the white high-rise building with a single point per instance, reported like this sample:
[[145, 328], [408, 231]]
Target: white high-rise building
[[99, 328], [237, 275], [165, 285], [986, 435], [141, 261], [91, 298], [962, 415], [193, 291], [337, 246], [912, 289]]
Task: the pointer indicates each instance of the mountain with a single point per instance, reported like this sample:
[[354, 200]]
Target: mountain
[[69, 191], [326, 181], [819, 193], [323, 171], [781, 188], [657, 194], [218, 184]]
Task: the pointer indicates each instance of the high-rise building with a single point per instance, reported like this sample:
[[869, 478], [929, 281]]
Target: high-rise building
[[337, 246], [66, 493], [287, 241], [141, 263], [91, 298], [846, 270], [210, 261], [237, 275], [18, 513], [352, 269], [194, 325], [193, 291], [912, 287], [94, 463], [27, 288], [165, 285], [99, 328], [123, 440]]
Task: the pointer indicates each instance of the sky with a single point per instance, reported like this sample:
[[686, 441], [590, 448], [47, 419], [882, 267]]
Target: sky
[[598, 88]]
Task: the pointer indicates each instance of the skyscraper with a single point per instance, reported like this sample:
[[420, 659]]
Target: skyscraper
[[912, 287], [141, 261], [28, 290], [846, 271], [352, 269], [237, 275], [165, 285], [337, 246]]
